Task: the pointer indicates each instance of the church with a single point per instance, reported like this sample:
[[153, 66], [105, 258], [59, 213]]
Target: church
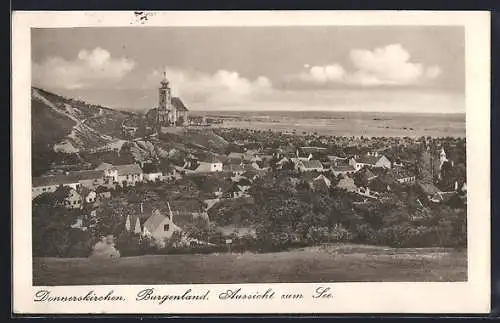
[[171, 111]]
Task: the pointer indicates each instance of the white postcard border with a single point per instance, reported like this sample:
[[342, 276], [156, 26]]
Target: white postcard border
[[367, 297]]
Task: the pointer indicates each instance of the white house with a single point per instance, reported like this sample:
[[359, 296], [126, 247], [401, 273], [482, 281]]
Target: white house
[[370, 160], [89, 196], [159, 226], [153, 177], [131, 174], [309, 165], [46, 184], [73, 200], [343, 170]]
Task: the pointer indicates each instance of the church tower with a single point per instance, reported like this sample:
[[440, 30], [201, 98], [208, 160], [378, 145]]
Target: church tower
[[164, 101], [442, 157]]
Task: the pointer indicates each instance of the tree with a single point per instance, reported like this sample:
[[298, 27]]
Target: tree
[[424, 166], [51, 226]]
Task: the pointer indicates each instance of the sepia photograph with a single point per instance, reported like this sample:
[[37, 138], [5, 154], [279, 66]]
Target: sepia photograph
[[166, 155]]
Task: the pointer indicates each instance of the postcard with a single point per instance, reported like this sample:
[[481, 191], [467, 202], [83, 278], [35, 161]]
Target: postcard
[[251, 162]]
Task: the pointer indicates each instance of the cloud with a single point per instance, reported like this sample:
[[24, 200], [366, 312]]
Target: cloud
[[222, 88], [90, 69], [323, 74], [389, 65]]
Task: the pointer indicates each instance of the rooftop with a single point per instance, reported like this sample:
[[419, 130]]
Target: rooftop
[[54, 180], [179, 105], [311, 164], [129, 169]]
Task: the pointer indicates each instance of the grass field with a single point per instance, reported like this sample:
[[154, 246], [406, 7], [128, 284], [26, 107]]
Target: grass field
[[336, 263]]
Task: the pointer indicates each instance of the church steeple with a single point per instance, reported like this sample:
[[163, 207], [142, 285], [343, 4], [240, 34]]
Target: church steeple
[[164, 81]]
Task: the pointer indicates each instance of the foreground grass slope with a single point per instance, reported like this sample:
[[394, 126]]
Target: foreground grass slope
[[339, 263]]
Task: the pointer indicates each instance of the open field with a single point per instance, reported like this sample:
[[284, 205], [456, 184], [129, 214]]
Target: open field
[[338, 263]]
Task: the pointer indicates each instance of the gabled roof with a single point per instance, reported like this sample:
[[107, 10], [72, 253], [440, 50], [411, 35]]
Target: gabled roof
[[322, 178], [400, 172], [54, 180], [347, 183], [344, 168], [202, 167], [370, 160], [154, 221], [311, 149], [179, 105], [232, 168], [87, 174], [104, 166], [429, 188], [312, 164], [366, 174], [130, 169], [236, 155], [84, 191], [212, 159]]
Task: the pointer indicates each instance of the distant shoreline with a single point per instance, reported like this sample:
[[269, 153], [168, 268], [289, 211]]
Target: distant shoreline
[[380, 124]]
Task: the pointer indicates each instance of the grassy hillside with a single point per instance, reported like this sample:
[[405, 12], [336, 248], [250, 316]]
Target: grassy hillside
[[47, 126], [337, 263], [57, 119]]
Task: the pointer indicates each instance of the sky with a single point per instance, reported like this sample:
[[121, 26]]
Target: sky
[[354, 68]]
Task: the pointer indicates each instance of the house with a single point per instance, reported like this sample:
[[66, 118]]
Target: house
[[159, 226], [442, 197], [89, 196], [90, 178], [404, 175], [237, 191], [209, 203], [235, 170], [321, 183], [129, 174], [364, 176], [310, 151], [49, 184], [309, 165], [251, 174], [366, 192], [343, 170], [428, 189], [302, 156], [247, 156], [370, 160], [73, 200], [347, 183], [337, 160], [204, 167], [383, 183], [210, 165], [282, 162], [153, 176], [236, 157], [104, 195]]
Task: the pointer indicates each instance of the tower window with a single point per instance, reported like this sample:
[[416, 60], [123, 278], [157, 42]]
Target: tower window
[[166, 227]]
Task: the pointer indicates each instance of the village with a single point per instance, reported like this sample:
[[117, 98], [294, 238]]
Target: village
[[214, 198], [369, 176]]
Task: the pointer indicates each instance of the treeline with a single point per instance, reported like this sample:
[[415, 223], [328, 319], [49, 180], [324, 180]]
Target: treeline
[[285, 214]]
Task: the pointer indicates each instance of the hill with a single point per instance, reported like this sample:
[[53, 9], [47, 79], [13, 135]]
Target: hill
[[67, 131], [68, 125]]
